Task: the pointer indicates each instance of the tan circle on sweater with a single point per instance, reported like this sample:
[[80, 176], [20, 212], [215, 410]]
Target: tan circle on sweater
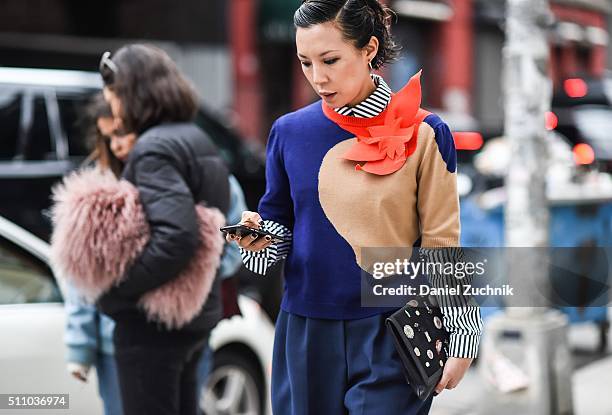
[[375, 214]]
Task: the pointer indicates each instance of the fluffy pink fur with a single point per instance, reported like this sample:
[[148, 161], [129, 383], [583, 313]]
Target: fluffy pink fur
[[178, 301], [100, 228]]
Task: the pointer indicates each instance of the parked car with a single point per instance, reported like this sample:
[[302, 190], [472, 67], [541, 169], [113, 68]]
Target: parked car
[[582, 112], [32, 351], [42, 137]]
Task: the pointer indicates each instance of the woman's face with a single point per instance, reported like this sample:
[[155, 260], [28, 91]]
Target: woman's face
[[120, 144], [334, 67]]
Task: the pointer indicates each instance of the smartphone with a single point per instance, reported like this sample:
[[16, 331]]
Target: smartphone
[[243, 230]]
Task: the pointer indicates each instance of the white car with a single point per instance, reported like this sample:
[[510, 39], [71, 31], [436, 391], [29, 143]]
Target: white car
[[32, 351]]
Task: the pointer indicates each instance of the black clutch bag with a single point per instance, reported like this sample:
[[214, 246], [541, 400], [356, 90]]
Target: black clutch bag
[[421, 342]]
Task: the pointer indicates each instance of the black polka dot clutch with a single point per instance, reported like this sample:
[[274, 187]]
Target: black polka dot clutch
[[421, 342]]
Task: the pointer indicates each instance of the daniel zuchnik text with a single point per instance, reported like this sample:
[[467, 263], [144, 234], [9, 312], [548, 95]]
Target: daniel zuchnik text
[[424, 289]]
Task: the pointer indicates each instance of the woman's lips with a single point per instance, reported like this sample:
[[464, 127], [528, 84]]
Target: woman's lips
[[328, 96]]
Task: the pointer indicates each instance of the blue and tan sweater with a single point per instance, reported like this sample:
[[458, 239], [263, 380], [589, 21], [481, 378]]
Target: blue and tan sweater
[[333, 211]]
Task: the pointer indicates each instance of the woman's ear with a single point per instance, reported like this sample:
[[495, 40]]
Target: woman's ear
[[371, 49]]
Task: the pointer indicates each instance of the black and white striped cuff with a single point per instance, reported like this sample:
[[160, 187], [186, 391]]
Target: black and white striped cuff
[[259, 262], [465, 327]]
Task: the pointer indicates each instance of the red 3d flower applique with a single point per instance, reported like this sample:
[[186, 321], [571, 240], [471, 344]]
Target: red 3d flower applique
[[384, 148]]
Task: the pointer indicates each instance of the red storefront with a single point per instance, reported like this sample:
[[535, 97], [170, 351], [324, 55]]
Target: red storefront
[[458, 43]]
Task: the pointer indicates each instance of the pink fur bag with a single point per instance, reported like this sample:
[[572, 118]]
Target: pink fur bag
[[100, 228]]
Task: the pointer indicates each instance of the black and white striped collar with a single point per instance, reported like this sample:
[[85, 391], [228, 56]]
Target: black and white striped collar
[[372, 105]]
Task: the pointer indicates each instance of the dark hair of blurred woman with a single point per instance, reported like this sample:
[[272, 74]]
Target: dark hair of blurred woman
[[149, 88]]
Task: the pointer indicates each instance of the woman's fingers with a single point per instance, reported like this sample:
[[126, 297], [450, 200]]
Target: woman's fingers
[[250, 242], [454, 370], [443, 383], [254, 242], [246, 240], [251, 219], [261, 243]]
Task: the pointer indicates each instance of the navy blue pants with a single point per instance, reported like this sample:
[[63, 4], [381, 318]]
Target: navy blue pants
[[338, 367]]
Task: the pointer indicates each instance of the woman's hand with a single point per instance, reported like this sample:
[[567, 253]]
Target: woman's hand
[[250, 242], [78, 370], [454, 370]]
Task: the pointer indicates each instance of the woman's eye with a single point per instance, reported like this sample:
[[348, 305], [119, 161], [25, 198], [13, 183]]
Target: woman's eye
[[330, 61], [305, 64]]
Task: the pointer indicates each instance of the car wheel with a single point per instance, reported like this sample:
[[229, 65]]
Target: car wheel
[[234, 387]]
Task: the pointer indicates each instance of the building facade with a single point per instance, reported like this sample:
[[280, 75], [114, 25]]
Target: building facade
[[241, 53], [458, 44]]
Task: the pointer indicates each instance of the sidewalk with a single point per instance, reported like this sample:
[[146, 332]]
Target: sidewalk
[[592, 390]]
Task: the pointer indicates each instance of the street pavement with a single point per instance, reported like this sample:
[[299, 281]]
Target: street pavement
[[591, 383]]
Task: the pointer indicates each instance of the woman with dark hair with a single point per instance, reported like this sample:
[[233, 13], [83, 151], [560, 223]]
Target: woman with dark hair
[[174, 166], [89, 333], [362, 168]]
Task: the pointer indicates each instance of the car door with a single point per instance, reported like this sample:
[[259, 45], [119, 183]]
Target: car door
[[31, 333]]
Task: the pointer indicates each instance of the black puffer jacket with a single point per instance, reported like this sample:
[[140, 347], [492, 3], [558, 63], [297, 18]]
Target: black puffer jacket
[[173, 166]]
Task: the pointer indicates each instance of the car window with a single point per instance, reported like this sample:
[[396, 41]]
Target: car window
[[38, 143], [24, 278], [594, 122], [74, 121], [10, 110]]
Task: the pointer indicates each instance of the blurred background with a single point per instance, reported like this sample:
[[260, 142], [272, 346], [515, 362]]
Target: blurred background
[[240, 54]]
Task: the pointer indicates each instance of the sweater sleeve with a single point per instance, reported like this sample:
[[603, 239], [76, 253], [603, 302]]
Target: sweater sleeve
[[275, 207], [276, 204], [438, 209]]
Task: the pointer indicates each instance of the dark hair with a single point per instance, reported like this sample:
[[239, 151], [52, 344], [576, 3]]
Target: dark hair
[[102, 155], [151, 88], [358, 20]]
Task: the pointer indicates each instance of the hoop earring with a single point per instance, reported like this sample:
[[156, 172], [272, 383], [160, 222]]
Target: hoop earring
[[370, 66]]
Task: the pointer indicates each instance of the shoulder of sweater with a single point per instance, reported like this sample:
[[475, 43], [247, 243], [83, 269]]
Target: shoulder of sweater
[[434, 121], [440, 129], [298, 117], [443, 139]]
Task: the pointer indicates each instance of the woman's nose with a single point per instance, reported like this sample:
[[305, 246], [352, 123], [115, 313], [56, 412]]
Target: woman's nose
[[115, 146], [319, 76]]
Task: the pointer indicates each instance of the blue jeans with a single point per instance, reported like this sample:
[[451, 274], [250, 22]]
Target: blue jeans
[[108, 384], [205, 366]]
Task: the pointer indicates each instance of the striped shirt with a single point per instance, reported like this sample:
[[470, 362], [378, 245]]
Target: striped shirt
[[373, 104]]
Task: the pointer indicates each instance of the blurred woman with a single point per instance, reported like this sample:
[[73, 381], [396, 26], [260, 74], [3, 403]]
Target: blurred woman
[[173, 165], [89, 333]]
